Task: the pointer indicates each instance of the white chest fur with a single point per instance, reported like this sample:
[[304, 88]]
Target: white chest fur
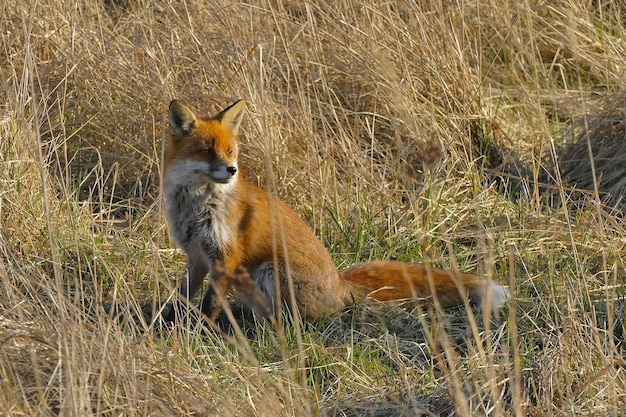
[[197, 214]]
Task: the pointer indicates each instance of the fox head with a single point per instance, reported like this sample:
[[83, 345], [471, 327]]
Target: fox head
[[202, 149]]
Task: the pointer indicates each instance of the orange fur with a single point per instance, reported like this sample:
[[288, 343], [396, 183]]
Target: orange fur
[[225, 224], [387, 281]]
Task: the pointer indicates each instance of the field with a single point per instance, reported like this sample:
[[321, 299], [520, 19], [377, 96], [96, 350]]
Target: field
[[482, 136]]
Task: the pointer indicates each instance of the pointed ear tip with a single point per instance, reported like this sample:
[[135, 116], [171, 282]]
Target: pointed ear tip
[[234, 111]]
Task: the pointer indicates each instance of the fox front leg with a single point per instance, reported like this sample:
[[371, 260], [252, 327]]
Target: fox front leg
[[189, 286], [219, 285]]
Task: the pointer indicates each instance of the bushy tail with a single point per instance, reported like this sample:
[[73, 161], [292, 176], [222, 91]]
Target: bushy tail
[[385, 281]]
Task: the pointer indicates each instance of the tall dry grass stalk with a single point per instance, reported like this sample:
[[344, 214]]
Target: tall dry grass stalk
[[481, 135]]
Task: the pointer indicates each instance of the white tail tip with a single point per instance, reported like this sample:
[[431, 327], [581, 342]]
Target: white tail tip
[[496, 296]]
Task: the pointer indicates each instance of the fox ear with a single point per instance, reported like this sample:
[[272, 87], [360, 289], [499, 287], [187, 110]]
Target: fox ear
[[232, 115], [182, 118]]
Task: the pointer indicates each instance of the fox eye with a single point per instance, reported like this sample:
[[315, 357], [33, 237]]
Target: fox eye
[[205, 151], [230, 152]]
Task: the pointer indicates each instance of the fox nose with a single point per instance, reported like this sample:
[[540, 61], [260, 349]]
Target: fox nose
[[231, 170]]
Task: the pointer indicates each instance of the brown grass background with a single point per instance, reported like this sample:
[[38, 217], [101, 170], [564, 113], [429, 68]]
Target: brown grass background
[[484, 135]]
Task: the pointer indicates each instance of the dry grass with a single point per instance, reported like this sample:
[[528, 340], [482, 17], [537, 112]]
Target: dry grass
[[457, 134]]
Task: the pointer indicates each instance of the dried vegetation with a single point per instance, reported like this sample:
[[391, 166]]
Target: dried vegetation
[[484, 135]]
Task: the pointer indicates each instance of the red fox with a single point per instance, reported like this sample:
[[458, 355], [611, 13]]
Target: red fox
[[225, 224]]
